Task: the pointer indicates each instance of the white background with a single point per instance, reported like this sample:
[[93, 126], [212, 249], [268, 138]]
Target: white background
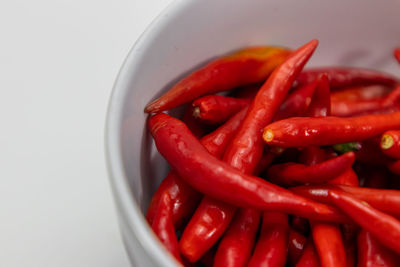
[[58, 62]]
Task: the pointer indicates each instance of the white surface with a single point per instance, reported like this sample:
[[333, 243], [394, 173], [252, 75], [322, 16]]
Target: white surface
[[58, 62]]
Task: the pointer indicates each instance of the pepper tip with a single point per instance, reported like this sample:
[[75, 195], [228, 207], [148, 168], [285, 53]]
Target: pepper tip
[[268, 135]]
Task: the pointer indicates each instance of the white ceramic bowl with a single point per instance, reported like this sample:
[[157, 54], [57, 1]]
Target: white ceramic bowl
[[190, 32]]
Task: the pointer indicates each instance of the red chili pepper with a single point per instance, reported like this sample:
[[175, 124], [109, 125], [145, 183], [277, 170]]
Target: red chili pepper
[[342, 76], [347, 108], [327, 237], [371, 253], [394, 167], [397, 54], [196, 238], [296, 246], [272, 245], [290, 173], [349, 177], [360, 92], [369, 218], [329, 244], [221, 181], [309, 257], [390, 143], [214, 109], [163, 226], [247, 147], [246, 66], [312, 155], [297, 102], [385, 200], [300, 132], [183, 197], [320, 105], [237, 242]]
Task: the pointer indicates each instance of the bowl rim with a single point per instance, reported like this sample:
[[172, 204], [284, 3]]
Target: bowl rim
[[127, 207]]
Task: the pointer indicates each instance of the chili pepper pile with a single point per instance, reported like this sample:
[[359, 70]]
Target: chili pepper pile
[[289, 167]]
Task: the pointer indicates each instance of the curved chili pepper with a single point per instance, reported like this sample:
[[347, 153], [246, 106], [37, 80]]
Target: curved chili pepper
[[245, 66], [272, 245], [394, 167], [309, 258], [163, 226], [290, 173], [263, 108], [219, 215], [237, 243], [297, 102], [214, 109], [300, 132], [327, 237], [385, 200], [329, 244], [360, 92], [221, 181], [390, 143], [296, 246], [347, 108], [369, 218], [371, 253], [247, 147], [349, 177], [343, 76], [183, 197], [397, 54], [320, 105]]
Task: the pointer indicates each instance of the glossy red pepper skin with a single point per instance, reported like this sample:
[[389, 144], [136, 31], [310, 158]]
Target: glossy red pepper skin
[[300, 132], [271, 247], [309, 258], [214, 109], [237, 243], [371, 253], [349, 177], [163, 226], [246, 66], [263, 108], [296, 102], [245, 150], [369, 218], [385, 200], [343, 76], [183, 197], [320, 105], [296, 245], [390, 143], [347, 108], [221, 181], [329, 244], [371, 154], [290, 173]]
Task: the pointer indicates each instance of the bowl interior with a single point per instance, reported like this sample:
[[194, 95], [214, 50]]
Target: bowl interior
[[189, 33]]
